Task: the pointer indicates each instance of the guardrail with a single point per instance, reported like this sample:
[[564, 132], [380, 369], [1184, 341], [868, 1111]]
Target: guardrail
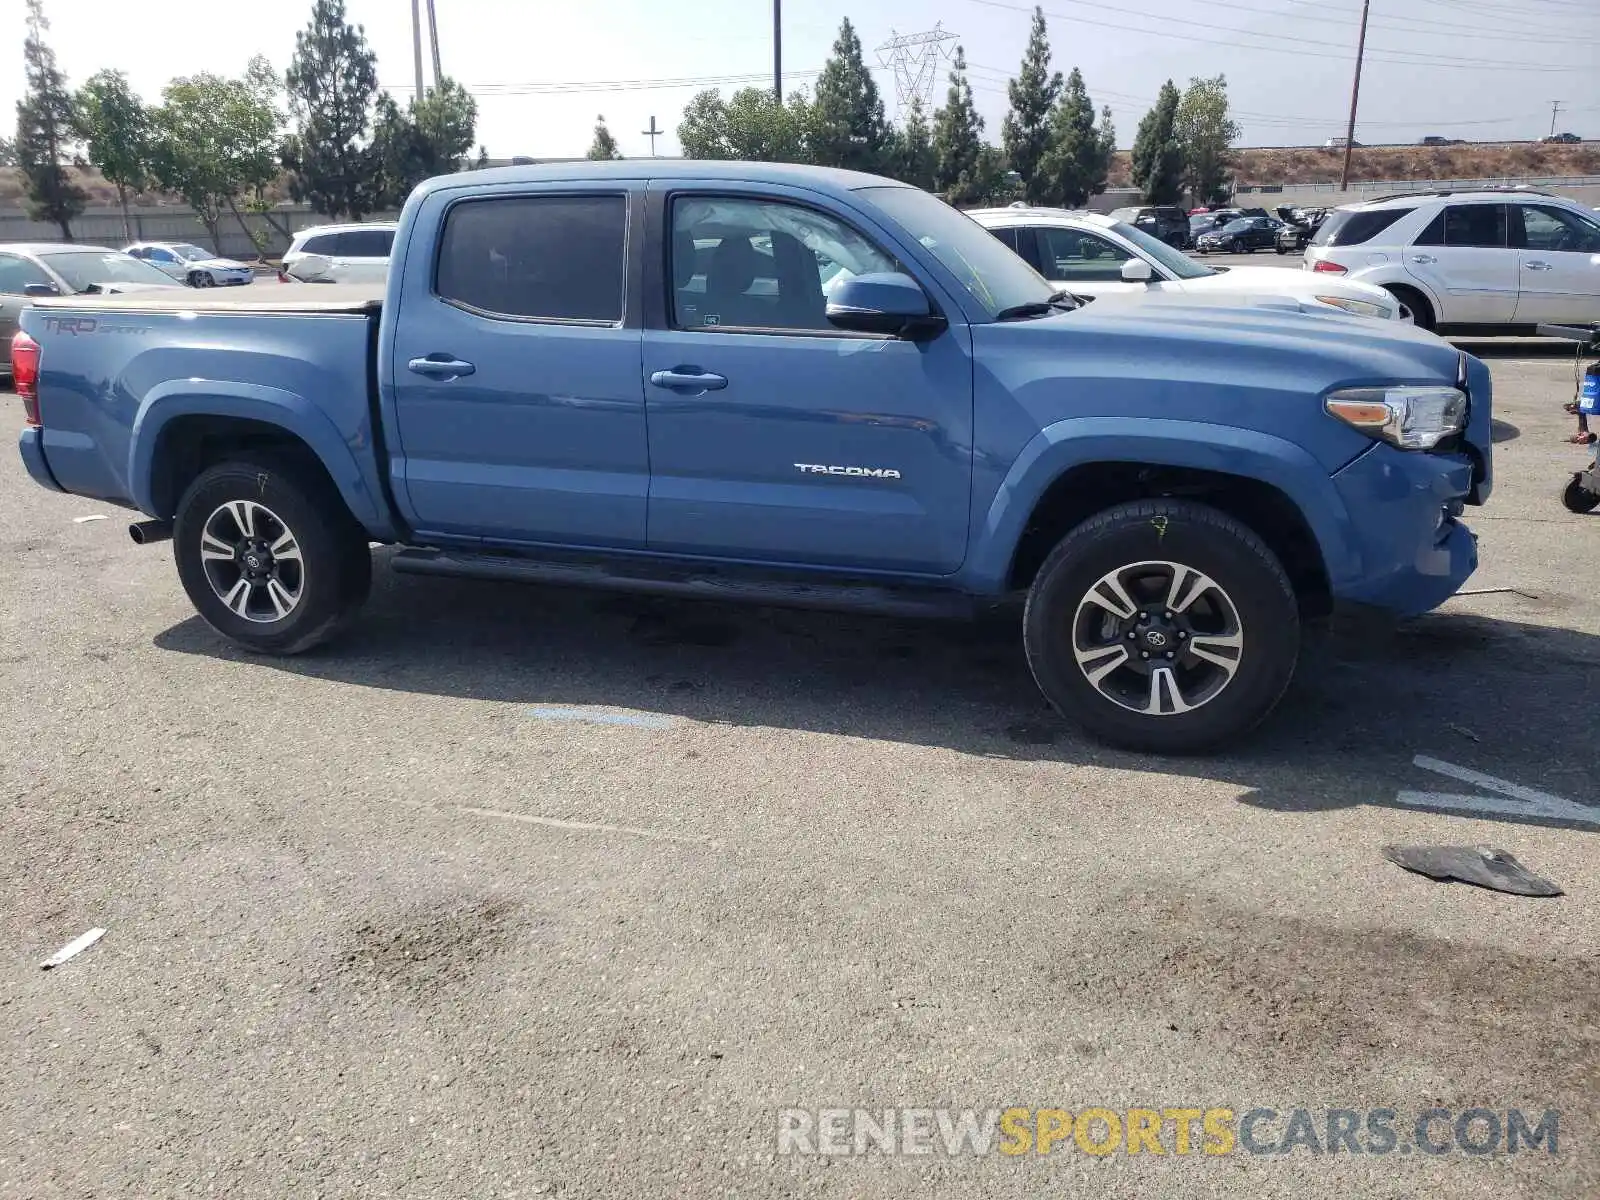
[[1423, 185]]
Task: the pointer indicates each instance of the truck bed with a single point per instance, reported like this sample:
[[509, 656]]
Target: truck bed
[[261, 297]]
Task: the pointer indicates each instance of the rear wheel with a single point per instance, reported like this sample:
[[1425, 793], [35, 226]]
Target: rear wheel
[[1162, 626], [1422, 315], [269, 555]]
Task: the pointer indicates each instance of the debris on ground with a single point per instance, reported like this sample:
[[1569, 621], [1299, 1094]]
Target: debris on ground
[[73, 948], [1484, 866]]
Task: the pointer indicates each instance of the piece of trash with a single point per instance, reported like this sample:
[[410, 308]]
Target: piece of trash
[[72, 949], [1463, 731], [638, 720], [90, 517], [1498, 591], [1484, 866]]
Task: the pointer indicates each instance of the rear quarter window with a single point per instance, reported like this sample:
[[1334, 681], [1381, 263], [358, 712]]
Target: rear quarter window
[[366, 243], [321, 243], [1354, 228]]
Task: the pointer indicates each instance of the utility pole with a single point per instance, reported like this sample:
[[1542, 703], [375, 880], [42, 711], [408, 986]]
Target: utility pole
[[777, 51], [416, 43], [652, 133], [1555, 107], [433, 40], [1355, 94]]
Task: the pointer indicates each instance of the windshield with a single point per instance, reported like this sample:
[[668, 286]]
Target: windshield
[[1176, 261], [190, 253], [990, 272], [83, 268]]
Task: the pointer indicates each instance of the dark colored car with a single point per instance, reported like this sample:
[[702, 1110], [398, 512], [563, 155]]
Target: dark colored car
[[1167, 222], [1244, 236], [1565, 139], [1299, 227]]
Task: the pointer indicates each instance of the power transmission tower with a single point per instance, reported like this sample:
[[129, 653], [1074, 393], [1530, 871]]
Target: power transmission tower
[[1555, 108], [915, 59]]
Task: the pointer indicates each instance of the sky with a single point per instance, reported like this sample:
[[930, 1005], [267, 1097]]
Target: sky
[[542, 70]]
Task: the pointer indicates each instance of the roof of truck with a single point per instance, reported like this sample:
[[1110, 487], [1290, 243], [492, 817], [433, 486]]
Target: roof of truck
[[794, 174], [263, 296]]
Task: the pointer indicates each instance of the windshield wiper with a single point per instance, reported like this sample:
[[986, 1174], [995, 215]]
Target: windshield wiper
[[1058, 301]]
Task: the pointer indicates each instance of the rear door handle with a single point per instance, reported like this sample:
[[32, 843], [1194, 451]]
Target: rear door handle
[[689, 379], [440, 367], [1537, 266], [1423, 258]]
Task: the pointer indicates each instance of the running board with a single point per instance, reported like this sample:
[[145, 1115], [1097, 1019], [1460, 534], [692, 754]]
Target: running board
[[695, 581]]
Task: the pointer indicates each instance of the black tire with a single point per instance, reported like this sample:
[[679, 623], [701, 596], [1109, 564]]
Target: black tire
[[334, 568], [1236, 247], [1199, 538], [1577, 498], [1281, 250], [1422, 315], [200, 279]]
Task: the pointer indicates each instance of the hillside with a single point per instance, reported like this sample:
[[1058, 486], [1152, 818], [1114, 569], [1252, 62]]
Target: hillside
[[1477, 160]]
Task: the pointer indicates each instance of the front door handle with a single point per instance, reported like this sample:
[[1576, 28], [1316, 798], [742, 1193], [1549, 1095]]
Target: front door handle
[[440, 367], [689, 379], [1423, 259], [1537, 266]]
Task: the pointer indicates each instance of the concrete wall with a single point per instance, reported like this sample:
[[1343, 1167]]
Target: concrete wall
[[163, 223]]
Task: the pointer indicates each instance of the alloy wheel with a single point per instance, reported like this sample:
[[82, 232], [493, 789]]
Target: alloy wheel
[[252, 561]]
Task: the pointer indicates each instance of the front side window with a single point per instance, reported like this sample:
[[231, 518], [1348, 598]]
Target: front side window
[[1074, 255], [185, 251], [1479, 225], [551, 257], [1548, 228], [17, 274], [761, 264]]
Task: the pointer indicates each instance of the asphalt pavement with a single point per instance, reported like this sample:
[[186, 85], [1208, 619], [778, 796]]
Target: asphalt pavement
[[525, 892]]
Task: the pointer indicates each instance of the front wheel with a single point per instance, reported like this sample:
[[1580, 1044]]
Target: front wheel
[[1162, 626], [200, 279], [269, 555], [1236, 247], [1577, 498]]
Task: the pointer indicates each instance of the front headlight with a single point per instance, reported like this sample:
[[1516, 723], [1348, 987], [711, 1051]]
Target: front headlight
[[1362, 308], [1412, 418]]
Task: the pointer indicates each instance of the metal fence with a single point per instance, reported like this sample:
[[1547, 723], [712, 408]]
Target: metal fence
[[102, 226]]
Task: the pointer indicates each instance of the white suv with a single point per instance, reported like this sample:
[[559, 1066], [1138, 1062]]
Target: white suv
[[340, 253], [1477, 262]]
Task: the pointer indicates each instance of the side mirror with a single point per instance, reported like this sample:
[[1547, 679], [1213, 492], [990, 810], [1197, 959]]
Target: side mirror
[[40, 289], [885, 302], [1136, 270]]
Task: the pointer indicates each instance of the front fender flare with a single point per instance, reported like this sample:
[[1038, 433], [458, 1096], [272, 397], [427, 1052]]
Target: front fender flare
[[1080, 441], [225, 400]]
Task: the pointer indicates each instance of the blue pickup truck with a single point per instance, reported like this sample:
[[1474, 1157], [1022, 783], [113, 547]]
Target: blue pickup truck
[[783, 385]]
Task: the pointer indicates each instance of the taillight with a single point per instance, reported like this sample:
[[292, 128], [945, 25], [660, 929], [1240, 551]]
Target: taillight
[[1328, 268], [25, 375], [282, 278]]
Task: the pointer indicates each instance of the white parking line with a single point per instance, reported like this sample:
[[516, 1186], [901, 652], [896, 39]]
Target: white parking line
[[1513, 800]]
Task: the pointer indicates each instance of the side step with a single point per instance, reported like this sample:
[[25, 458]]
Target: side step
[[693, 581]]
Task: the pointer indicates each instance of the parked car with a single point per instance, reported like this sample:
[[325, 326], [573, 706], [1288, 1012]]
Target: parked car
[[1243, 236], [1566, 139], [1166, 222], [190, 264], [340, 253], [1096, 256], [1299, 226], [549, 388], [29, 272], [1489, 261]]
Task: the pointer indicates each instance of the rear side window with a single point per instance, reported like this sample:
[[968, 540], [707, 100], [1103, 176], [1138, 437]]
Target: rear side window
[[17, 273], [366, 243], [321, 243], [1354, 228], [1482, 225], [553, 257]]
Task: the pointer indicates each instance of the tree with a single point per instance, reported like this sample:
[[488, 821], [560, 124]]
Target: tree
[[433, 137], [1206, 133], [1157, 156], [1077, 158], [332, 82], [848, 128], [8, 152], [46, 131], [964, 168], [1026, 131], [751, 126], [911, 155], [604, 146], [117, 128], [216, 141]]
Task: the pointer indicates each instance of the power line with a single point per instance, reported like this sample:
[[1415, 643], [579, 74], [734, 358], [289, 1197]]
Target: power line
[[1412, 25]]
